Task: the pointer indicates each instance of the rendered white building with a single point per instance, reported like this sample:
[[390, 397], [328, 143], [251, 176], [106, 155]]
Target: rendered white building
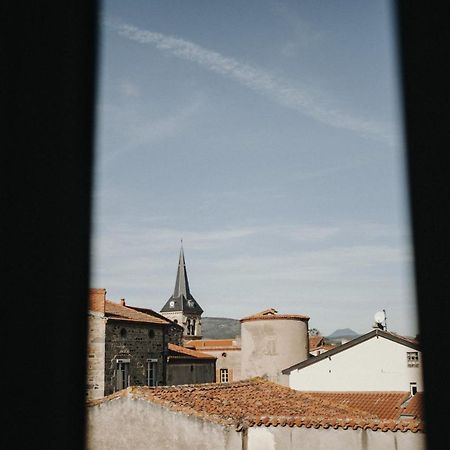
[[376, 361]]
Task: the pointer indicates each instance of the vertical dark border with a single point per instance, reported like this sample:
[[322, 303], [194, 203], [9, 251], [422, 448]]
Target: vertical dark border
[[423, 37], [48, 52]]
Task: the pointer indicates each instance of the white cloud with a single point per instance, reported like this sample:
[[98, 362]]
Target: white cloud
[[128, 127], [257, 79]]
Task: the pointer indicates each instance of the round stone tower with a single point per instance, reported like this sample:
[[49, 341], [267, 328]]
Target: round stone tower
[[271, 342]]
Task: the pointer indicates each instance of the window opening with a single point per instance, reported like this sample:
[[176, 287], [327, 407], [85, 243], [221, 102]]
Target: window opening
[[151, 371], [412, 359], [224, 375], [122, 373]]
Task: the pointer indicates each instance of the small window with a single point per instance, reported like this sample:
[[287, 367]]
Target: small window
[[172, 304], [123, 332], [122, 374], [412, 359], [413, 388], [152, 365], [151, 334], [175, 321], [224, 375]]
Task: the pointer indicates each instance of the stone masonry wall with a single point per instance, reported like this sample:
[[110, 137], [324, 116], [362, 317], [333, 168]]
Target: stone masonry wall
[[136, 342]]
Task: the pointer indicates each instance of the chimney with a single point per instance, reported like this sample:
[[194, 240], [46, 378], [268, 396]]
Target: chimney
[[122, 301], [97, 299]]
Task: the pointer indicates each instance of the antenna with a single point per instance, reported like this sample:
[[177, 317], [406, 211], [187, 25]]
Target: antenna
[[380, 317]]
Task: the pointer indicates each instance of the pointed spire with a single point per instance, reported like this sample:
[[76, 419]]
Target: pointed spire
[[182, 283], [182, 299]]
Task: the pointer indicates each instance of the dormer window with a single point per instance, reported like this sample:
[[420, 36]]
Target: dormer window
[[190, 303]]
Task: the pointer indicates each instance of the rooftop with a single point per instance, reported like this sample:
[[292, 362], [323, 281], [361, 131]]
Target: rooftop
[[365, 337], [116, 311], [315, 341], [257, 402], [214, 344], [177, 351], [272, 314]]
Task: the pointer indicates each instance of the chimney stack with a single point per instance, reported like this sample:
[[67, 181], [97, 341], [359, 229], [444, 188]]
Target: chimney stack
[[97, 299], [122, 302]]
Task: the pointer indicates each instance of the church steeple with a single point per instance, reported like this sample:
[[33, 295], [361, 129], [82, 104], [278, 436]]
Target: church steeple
[[182, 306], [182, 283]]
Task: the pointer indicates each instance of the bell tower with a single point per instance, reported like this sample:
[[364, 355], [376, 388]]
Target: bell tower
[[182, 307]]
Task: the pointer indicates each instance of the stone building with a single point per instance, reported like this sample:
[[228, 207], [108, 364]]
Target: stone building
[[133, 346], [253, 414], [125, 346], [182, 308]]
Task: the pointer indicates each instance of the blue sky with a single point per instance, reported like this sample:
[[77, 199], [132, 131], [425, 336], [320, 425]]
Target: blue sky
[[267, 135]]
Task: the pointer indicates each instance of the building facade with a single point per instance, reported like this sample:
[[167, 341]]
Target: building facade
[[376, 361], [228, 354], [134, 346]]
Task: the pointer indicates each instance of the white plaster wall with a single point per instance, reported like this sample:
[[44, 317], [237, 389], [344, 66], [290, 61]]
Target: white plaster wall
[[287, 438], [125, 423], [377, 364], [269, 346]]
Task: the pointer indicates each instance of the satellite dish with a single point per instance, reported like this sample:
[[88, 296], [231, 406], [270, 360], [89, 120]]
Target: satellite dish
[[380, 316]]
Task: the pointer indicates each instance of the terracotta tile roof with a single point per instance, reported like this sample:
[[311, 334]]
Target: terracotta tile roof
[[154, 313], [414, 407], [406, 338], [183, 351], [116, 311], [258, 402], [272, 314], [315, 341], [213, 344], [385, 405]]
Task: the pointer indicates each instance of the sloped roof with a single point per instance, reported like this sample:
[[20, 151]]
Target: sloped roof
[[341, 348], [315, 341], [177, 350], [213, 344], [155, 314], [257, 402], [414, 407], [272, 314], [385, 405], [116, 311], [182, 298]]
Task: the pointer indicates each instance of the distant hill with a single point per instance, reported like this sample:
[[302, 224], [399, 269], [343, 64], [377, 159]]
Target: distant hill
[[225, 328], [342, 334], [220, 328]]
